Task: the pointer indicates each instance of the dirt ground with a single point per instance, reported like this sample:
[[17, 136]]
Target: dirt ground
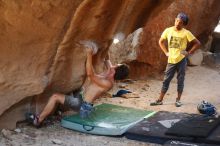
[[202, 83]]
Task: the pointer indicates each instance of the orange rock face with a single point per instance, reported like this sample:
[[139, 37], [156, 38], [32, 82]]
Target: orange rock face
[[30, 32], [40, 52], [203, 18]]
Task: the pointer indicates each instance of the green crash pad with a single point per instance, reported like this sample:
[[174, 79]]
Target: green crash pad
[[107, 119]]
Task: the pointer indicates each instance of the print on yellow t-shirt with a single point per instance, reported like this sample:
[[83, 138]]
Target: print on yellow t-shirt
[[175, 42]]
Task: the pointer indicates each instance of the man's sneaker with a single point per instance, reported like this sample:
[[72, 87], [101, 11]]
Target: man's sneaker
[[157, 102], [178, 104], [33, 119]]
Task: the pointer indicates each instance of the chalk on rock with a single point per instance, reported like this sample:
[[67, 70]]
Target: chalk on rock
[[90, 44]]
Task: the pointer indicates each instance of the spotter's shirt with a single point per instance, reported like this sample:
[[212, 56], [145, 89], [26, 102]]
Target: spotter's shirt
[[177, 41]]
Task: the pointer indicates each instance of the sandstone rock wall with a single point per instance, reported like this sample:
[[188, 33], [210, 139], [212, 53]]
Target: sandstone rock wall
[[215, 47], [203, 15], [30, 33], [40, 52]]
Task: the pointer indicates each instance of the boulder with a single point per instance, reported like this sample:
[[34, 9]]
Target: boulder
[[41, 53], [196, 58], [126, 50]]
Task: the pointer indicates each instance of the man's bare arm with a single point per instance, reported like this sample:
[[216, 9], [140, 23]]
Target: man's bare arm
[[107, 61], [89, 66], [163, 46], [196, 45], [92, 75]]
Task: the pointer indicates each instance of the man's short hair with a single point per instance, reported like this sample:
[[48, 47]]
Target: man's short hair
[[183, 17], [121, 72]]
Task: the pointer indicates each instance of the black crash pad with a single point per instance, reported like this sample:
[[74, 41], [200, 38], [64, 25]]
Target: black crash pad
[[180, 143], [198, 126], [153, 129], [213, 138]]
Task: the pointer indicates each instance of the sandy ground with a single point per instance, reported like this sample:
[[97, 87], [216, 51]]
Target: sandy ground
[[201, 83]]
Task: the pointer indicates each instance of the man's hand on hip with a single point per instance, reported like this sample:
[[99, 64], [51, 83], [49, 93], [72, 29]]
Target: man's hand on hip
[[185, 53]]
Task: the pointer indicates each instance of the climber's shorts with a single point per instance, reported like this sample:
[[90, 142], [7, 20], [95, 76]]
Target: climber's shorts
[[74, 101]]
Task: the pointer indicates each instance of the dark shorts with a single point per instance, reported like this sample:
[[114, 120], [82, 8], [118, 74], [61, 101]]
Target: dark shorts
[[73, 101]]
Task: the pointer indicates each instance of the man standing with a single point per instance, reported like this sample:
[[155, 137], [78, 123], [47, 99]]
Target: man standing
[[177, 38], [96, 85]]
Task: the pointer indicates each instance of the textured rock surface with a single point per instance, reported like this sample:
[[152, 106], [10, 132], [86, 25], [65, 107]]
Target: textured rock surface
[[40, 51], [215, 48], [196, 58], [203, 16], [30, 33], [126, 50]]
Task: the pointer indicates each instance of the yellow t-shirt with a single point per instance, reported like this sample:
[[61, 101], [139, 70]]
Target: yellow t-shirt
[[177, 41]]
